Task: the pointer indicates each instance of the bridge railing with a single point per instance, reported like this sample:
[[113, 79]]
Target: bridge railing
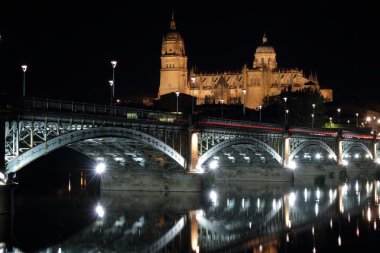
[[51, 105], [239, 123]]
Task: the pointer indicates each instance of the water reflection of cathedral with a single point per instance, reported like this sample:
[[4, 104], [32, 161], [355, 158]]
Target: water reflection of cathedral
[[250, 85]]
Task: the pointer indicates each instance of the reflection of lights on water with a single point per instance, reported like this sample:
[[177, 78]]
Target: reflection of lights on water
[[305, 194], [250, 225], [367, 187], [357, 186], [287, 237], [318, 194], [199, 214], [331, 224], [100, 211], [369, 214], [348, 217], [274, 204], [292, 198], [242, 203], [331, 196], [374, 225], [339, 241], [357, 231], [59, 250], [213, 197], [314, 250], [261, 247], [258, 203], [316, 209], [345, 187], [312, 230]]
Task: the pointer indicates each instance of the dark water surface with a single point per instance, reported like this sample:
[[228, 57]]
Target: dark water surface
[[66, 212]]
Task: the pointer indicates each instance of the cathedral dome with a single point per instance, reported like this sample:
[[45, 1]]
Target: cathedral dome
[[265, 47], [173, 35]]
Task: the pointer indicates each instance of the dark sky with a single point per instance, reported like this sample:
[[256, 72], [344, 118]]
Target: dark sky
[[68, 45]]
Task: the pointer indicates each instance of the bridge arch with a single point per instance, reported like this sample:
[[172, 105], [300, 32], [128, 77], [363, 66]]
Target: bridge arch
[[235, 141], [311, 143], [71, 137], [357, 145]]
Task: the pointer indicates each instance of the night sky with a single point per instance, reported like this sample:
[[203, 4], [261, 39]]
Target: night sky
[[68, 46]]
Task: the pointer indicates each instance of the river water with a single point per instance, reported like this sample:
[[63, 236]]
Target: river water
[[66, 212]]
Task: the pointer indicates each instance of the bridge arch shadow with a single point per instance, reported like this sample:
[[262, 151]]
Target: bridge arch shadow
[[352, 145], [312, 143], [237, 141], [90, 133]]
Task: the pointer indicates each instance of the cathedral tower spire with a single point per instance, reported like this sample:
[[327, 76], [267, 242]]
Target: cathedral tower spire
[[172, 23]]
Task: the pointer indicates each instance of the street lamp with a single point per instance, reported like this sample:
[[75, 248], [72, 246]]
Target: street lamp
[[260, 113], [192, 97], [338, 110], [357, 119], [177, 95], [244, 92], [287, 116], [23, 67], [285, 98], [113, 63], [111, 85], [312, 116], [221, 102]]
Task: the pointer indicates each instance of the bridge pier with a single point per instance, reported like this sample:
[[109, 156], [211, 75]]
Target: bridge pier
[[193, 226], [286, 150], [374, 150], [2, 146], [340, 150], [193, 154]]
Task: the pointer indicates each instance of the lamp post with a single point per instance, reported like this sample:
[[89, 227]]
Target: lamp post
[[113, 63], [357, 119], [244, 92], [111, 85], [260, 113], [192, 97], [24, 68], [221, 102], [312, 116], [177, 95], [285, 98], [338, 110]]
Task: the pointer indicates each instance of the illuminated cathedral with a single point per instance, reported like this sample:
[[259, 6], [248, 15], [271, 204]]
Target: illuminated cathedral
[[249, 86]]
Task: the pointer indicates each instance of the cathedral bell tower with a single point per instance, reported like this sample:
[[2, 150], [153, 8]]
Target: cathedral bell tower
[[173, 74]]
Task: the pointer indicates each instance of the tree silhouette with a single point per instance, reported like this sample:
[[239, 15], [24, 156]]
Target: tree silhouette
[[299, 103]]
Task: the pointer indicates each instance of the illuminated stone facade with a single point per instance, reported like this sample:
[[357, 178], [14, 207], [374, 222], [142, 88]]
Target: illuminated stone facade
[[263, 79]]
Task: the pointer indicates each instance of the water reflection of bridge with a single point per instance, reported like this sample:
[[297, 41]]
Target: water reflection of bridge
[[258, 221]]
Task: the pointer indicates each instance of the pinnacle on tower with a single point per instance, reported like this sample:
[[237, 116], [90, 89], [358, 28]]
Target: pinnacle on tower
[[172, 23], [265, 39]]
